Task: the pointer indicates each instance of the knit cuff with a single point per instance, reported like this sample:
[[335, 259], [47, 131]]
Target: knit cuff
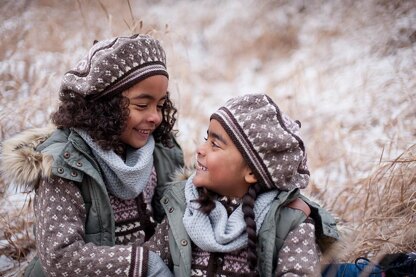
[[156, 267], [139, 261]]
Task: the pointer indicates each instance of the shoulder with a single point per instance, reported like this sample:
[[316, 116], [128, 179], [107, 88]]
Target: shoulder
[[175, 192], [35, 154], [171, 154], [176, 189], [21, 163], [325, 222]]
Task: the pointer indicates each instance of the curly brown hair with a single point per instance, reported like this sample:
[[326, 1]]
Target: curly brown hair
[[105, 119]]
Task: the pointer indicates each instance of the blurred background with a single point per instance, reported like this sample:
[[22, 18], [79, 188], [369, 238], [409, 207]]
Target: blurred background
[[345, 69]]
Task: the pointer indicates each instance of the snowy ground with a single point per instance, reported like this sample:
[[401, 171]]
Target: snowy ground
[[345, 69]]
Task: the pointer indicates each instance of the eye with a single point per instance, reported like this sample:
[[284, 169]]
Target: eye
[[214, 144], [140, 106]]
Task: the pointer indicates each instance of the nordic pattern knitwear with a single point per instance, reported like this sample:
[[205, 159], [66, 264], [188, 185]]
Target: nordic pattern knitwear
[[218, 232], [124, 179], [268, 140], [114, 65], [133, 223], [133, 218], [60, 231], [299, 255]]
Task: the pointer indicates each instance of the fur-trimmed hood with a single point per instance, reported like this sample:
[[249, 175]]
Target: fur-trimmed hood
[[21, 165], [183, 173]]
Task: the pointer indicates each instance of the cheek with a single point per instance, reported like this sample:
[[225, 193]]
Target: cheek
[[160, 114], [134, 117], [219, 168], [235, 165], [128, 123]]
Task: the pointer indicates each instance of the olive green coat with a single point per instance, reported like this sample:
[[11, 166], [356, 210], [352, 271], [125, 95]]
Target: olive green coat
[[279, 221], [73, 160]]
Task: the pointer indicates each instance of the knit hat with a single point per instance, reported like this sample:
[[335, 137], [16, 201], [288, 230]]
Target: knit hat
[[114, 65], [267, 139]]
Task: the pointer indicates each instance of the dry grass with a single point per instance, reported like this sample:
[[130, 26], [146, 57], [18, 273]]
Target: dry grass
[[17, 231], [379, 212], [358, 132]]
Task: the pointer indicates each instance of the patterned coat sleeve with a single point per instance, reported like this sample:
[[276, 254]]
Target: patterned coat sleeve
[[299, 255], [159, 242], [60, 220]]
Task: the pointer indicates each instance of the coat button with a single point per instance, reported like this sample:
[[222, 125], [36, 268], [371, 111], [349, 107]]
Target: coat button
[[165, 201], [184, 242], [79, 164], [220, 260], [67, 155], [74, 174], [60, 170], [171, 210]]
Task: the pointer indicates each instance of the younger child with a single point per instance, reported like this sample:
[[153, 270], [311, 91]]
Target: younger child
[[241, 213]]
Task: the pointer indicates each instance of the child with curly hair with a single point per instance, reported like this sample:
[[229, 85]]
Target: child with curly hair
[[241, 213], [99, 175]]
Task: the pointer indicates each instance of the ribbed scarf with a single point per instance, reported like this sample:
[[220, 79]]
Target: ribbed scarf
[[124, 179], [217, 232]]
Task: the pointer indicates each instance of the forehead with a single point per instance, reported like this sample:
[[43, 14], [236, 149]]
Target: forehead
[[214, 125], [154, 87], [216, 130]]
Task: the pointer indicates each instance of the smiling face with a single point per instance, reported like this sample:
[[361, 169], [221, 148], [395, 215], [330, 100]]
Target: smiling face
[[220, 166], [145, 110]]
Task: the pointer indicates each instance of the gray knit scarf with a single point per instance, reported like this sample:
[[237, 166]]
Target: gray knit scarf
[[217, 232], [125, 180]]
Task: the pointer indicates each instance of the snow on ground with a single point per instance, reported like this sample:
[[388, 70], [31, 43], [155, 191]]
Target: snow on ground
[[345, 69]]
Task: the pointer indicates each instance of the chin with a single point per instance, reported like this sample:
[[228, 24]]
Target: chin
[[137, 145], [197, 183]]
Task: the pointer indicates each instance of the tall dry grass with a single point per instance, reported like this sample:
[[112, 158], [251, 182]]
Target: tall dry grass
[[378, 213], [359, 134]]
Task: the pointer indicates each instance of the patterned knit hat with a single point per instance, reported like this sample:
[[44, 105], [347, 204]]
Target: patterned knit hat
[[268, 140], [114, 65]]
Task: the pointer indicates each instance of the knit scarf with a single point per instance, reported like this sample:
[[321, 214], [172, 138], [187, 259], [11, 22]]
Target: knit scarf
[[124, 179], [217, 232]]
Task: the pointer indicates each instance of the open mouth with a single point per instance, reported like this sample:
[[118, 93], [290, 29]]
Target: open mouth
[[201, 167], [143, 132]]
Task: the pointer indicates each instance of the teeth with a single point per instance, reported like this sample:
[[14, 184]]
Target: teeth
[[201, 167], [144, 131]]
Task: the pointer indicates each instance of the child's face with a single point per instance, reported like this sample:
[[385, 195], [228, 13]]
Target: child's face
[[146, 101], [220, 166]]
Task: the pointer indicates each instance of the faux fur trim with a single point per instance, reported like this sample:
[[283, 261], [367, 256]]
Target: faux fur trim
[[183, 173], [21, 165]]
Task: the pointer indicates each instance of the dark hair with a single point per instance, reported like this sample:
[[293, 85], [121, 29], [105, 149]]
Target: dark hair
[[248, 210], [206, 201], [104, 119]]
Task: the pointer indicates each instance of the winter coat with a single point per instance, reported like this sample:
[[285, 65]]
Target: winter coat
[[35, 155], [279, 221]]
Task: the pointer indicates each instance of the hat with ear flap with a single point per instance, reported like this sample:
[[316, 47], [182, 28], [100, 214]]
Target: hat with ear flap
[[268, 140], [114, 65]]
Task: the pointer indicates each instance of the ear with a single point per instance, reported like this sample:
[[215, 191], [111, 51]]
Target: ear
[[250, 178]]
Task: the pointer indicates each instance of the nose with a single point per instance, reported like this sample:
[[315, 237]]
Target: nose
[[155, 116], [200, 150]]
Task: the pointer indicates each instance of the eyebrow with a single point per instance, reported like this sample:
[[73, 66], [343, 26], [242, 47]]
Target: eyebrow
[[216, 136], [149, 96]]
